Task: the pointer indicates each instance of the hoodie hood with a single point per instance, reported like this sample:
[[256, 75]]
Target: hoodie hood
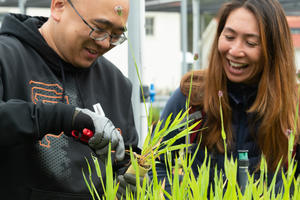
[[25, 28]]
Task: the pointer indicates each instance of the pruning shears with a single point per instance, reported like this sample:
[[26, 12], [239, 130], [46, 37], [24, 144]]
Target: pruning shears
[[87, 133], [84, 136]]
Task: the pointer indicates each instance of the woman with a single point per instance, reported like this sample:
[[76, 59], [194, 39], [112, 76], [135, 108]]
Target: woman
[[252, 63]]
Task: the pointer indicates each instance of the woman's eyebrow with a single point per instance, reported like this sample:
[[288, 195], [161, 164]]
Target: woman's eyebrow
[[247, 34]]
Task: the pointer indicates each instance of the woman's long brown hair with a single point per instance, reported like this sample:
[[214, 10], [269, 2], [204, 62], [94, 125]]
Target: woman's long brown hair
[[275, 103]]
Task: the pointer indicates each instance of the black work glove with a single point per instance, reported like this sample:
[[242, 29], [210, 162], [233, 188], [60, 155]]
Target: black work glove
[[128, 181], [82, 121], [104, 132]]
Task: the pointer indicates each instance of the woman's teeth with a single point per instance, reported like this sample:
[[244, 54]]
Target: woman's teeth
[[237, 65]]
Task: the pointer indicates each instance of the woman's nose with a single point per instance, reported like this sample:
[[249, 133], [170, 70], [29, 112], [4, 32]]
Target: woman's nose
[[237, 49]]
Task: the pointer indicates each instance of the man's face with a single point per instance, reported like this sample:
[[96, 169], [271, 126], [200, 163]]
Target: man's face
[[71, 35]]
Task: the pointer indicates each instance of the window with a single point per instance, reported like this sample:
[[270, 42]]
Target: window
[[295, 30], [149, 26]]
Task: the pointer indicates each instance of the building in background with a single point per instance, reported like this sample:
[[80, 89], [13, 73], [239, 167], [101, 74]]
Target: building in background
[[294, 23]]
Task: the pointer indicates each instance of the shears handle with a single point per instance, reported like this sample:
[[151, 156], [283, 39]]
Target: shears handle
[[85, 136]]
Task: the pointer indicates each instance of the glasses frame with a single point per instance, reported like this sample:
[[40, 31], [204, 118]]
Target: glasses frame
[[121, 39]]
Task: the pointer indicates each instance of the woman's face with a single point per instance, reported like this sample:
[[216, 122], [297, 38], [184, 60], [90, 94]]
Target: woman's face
[[240, 47]]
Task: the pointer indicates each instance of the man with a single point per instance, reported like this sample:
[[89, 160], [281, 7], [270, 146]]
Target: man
[[53, 75]]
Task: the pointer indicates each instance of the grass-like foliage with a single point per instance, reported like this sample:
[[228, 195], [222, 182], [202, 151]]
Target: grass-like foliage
[[189, 186], [154, 146], [224, 185]]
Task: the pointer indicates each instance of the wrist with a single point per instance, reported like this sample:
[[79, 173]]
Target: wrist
[[76, 111], [54, 118]]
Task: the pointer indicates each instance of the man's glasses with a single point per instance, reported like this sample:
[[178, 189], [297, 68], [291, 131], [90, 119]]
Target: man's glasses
[[98, 34]]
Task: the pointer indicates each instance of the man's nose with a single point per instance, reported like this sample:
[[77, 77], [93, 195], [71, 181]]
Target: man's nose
[[237, 49], [104, 44]]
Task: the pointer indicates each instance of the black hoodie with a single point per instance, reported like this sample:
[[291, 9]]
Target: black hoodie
[[39, 92]]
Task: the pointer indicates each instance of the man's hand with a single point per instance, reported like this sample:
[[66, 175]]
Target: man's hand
[[127, 181], [104, 132]]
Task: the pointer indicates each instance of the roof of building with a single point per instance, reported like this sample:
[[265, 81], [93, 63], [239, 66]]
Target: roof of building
[[292, 7]]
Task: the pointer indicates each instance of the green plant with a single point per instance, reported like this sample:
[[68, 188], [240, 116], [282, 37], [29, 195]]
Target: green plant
[[154, 146], [197, 188], [110, 188]]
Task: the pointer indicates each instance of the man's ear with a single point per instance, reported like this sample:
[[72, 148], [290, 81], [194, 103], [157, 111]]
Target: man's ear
[[57, 8]]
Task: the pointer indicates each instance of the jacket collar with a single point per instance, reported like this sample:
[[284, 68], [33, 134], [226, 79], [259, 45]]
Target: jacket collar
[[241, 94]]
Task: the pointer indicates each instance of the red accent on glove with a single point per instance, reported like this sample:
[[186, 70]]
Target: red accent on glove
[[85, 136]]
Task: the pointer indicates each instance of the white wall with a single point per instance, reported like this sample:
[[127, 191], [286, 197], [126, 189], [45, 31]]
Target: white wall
[[161, 56], [297, 56], [162, 51], [208, 39], [118, 55]]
